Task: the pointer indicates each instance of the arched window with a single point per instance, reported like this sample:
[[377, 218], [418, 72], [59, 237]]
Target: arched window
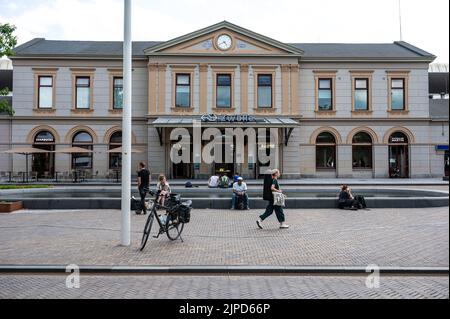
[[44, 137], [82, 160], [398, 138], [326, 151], [115, 159], [43, 164], [362, 151]]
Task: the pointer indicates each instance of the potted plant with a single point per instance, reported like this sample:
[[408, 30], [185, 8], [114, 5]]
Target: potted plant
[[9, 207]]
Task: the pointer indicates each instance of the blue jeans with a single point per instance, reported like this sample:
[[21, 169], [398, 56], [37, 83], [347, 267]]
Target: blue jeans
[[235, 199], [278, 211]]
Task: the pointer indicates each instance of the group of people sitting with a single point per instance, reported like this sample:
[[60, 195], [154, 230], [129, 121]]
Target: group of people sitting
[[346, 198], [237, 184]]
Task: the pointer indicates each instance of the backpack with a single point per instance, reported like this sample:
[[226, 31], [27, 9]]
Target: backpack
[[267, 189], [224, 181]]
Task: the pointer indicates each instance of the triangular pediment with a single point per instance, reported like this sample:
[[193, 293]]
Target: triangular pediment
[[206, 42]]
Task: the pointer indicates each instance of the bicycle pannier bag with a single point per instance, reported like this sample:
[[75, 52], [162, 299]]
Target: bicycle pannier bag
[[184, 214]]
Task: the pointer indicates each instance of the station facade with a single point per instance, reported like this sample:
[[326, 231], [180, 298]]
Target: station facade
[[339, 110]]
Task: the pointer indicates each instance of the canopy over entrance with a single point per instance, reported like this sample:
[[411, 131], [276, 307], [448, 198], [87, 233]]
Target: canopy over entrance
[[225, 121]]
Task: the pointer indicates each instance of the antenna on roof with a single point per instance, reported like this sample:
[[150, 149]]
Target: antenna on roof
[[400, 18]]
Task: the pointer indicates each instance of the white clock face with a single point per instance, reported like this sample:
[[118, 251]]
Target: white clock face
[[224, 42]]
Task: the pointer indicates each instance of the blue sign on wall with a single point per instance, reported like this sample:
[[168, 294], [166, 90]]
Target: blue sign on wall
[[441, 147]]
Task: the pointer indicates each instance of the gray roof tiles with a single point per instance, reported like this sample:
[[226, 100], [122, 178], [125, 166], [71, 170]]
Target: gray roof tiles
[[396, 50], [42, 47]]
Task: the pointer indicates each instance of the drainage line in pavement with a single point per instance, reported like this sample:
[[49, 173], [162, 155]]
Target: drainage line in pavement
[[186, 270]]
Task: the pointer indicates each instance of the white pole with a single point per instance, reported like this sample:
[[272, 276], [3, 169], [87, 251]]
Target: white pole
[[400, 18], [126, 127]]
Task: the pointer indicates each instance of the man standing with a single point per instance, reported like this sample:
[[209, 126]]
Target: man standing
[[240, 190], [143, 181]]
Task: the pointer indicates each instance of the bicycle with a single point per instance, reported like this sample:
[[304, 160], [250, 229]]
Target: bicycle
[[177, 214]]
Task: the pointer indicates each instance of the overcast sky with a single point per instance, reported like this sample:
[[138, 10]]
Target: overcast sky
[[425, 23]]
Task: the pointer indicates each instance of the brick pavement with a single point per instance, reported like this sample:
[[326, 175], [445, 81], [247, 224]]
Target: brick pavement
[[222, 287], [386, 237]]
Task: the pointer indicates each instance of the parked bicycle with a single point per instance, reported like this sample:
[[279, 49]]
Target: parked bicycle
[[171, 222]]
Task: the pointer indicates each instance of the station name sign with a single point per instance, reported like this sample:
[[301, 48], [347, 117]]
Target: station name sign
[[243, 118]]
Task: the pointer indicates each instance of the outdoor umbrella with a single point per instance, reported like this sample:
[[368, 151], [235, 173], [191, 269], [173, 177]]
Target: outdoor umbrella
[[120, 150], [26, 151], [73, 150]]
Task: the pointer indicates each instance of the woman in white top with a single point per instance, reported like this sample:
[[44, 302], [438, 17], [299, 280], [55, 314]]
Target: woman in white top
[[164, 189]]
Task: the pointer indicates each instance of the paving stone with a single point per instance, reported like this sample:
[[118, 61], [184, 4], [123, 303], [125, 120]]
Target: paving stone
[[384, 237], [223, 287]]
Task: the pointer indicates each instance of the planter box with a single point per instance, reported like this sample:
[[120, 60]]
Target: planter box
[[10, 207]]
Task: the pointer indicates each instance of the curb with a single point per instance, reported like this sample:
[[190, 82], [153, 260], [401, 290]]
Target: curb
[[186, 270]]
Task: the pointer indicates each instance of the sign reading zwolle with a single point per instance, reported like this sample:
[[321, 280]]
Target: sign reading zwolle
[[242, 118]]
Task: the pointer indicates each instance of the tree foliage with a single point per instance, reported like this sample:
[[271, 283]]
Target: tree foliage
[[7, 43], [7, 39]]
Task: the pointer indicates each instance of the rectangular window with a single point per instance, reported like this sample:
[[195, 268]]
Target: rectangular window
[[361, 94], [223, 90], [325, 98], [183, 90], [265, 90], [45, 94], [83, 93], [118, 93], [397, 94]]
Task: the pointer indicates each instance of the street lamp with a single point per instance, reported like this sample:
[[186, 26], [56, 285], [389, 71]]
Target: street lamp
[[126, 127]]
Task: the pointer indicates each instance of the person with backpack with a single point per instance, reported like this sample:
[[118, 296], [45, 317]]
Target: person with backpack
[[271, 186], [143, 181], [224, 181]]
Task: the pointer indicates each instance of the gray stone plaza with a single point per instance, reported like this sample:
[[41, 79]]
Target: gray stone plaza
[[396, 238]]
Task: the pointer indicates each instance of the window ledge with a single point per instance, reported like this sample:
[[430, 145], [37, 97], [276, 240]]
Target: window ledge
[[115, 111], [178, 109], [363, 169], [325, 113], [224, 109], [362, 111], [82, 111], [398, 112], [47, 111], [262, 110]]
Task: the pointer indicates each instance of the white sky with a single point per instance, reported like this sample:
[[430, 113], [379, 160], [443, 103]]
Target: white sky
[[425, 23]]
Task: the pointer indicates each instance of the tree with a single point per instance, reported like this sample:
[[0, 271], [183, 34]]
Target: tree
[[7, 43]]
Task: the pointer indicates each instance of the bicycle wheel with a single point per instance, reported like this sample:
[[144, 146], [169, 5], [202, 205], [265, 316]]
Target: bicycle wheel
[[174, 227], [147, 229]]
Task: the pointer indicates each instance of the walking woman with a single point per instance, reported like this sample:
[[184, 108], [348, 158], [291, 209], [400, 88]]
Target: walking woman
[[271, 185]]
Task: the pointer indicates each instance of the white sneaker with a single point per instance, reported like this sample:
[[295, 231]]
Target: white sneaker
[[259, 223], [284, 226]]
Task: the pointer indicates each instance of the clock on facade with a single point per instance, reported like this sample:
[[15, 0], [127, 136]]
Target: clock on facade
[[224, 42]]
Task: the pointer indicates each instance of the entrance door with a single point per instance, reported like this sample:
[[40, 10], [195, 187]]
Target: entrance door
[[446, 164], [398, 156], [44, 163], [182, 170]]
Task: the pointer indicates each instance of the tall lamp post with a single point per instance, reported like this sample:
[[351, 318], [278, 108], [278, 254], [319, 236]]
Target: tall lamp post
[[126, 127]]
